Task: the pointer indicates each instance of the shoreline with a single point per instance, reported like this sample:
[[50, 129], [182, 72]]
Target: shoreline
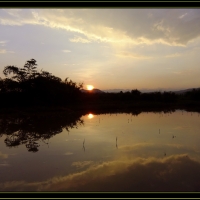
[[105, 108]]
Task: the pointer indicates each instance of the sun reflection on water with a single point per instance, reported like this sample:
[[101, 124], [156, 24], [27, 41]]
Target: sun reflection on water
[[90, 116]]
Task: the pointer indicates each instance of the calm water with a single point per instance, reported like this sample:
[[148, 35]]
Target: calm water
[[106, 152]]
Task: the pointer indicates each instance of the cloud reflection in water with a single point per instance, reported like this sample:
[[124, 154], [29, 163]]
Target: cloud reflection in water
[[173, 173]]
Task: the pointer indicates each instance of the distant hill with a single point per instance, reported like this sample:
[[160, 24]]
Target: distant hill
[[129, 90], [184, 91], [92, 91], [150, 90], [116, 90]]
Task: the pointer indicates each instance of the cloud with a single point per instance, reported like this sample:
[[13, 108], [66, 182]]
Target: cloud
[[79, 39], [17, 17], [181, 128], [173, 173], [2, 155], [10, 22], [173, 55], [169, 174], [180, 17], [14, 186], [66, 51], [82, 164], [132, 55], [68, 153], [3, 43], [13, 12], [114, 26], [159, 26], [5, 51], [146, 150]]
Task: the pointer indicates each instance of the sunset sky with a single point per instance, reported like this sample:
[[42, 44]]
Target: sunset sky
[[106, 48]]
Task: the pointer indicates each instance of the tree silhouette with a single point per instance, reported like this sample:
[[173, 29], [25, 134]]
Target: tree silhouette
[[30, 87], [21, 74], [32, 129]]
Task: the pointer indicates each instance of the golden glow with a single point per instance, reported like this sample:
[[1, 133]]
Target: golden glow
[[90, 116], [90, 87]]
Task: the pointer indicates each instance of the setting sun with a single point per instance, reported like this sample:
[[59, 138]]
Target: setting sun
[[90, 87]]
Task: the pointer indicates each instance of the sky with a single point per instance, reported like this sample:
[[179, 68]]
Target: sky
[[107, 48]]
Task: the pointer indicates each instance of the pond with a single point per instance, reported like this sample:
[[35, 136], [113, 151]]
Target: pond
[[148, 151]]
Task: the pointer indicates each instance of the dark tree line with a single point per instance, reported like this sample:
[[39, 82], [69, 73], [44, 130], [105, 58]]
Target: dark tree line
[[133, 96], [28, 87]]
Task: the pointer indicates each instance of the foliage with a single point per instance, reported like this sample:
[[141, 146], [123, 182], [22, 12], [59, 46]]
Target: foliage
[[28, 86], [32, 129]]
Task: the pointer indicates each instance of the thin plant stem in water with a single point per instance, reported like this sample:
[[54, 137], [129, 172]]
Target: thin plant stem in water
[[84, 145]]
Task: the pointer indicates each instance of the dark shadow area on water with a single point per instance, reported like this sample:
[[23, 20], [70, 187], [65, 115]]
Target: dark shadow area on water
[[29, 129], [30, 126], [36, 105]]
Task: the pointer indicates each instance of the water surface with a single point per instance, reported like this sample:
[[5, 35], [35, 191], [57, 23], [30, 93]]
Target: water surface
[[104, 152]]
